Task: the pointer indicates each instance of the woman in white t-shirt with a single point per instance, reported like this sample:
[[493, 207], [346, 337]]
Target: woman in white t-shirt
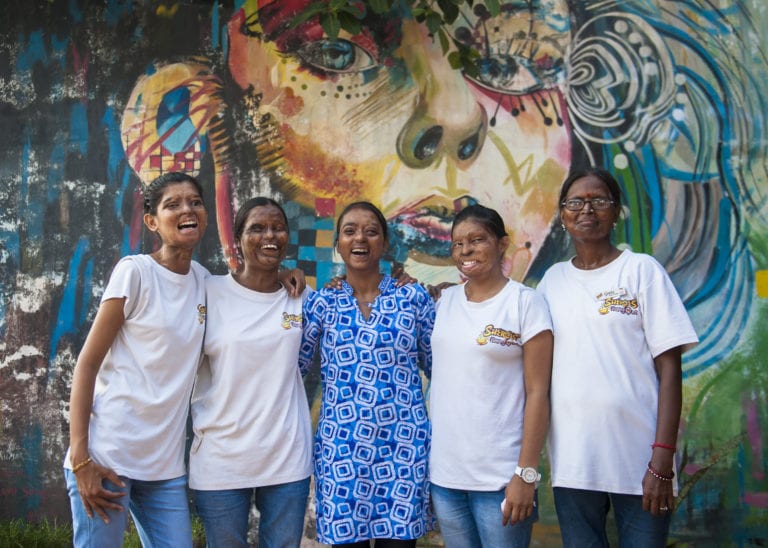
[[133, 379], [489, 397], [620, 328], [253, 438]]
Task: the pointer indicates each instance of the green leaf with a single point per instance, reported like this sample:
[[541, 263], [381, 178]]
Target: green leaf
[[355, 9], [330, 24], [469, 68], [434, 22], [449, 9], [454, 59], [336, 5], [444, 43], [379, 6], [349, 23], [494, 7]]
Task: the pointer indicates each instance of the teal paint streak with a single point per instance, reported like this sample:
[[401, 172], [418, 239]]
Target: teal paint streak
[[32, 441], [35, 52], [75, 13], [59, 49], [69, 318], [215, 25], [116, 9], [29, 202]]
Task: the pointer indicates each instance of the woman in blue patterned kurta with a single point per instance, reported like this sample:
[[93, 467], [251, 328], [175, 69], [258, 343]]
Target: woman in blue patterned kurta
[[373, 434]]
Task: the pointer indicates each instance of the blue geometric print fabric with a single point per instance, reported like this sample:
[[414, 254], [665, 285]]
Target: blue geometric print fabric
[[373, 434]]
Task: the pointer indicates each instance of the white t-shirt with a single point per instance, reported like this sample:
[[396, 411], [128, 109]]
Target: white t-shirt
[[477, 395], [609, 324], [249, 407], [141, 399]]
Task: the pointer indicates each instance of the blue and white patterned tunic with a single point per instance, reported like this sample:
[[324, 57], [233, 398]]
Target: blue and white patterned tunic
[[373, 434]]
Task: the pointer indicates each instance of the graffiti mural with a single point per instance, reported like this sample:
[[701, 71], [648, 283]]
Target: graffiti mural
[[98, 98]]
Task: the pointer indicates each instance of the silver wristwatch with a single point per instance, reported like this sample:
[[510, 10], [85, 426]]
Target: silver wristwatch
[[529, 475]]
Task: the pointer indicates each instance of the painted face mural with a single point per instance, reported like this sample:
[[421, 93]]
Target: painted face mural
[[98, 98], [382, 116]]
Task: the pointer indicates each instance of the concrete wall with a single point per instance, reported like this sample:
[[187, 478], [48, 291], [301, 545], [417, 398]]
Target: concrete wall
[[97, 98]]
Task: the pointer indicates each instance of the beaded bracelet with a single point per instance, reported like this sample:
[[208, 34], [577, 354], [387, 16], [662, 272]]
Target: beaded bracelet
[[80, 465], [663, 446], [658, 475]]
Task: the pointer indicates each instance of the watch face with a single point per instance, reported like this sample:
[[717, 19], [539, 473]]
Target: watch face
[[529, 475]]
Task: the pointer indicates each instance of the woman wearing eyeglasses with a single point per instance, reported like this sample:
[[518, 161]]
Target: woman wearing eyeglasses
[[620, 329]]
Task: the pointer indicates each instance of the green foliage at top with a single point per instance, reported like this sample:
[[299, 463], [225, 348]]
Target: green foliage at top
[[436, 15]]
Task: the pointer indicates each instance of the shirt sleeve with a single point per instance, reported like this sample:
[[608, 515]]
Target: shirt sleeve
[[312, 329], [534, 315], [665, 320], [124, 283]]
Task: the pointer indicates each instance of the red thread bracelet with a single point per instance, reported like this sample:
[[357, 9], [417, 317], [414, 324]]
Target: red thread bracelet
[[663, 446], [658, 475]]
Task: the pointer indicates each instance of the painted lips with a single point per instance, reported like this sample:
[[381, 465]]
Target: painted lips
[[432, 220]]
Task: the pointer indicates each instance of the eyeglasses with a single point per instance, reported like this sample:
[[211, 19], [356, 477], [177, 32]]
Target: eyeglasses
[[577, 204]]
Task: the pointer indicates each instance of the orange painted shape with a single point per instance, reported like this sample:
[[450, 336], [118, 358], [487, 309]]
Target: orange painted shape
[[324, 238]]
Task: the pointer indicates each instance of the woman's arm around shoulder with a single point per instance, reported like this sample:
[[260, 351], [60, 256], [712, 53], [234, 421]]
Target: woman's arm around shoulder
[[313, 313]]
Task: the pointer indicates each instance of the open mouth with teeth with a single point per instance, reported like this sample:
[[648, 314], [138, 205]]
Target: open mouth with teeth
[[360, 252], [187, 225]]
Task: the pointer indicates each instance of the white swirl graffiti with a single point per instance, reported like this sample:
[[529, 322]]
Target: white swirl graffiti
[[621, 79]]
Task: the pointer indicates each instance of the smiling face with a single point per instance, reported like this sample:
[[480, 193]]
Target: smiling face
[[180, 218], [264, 240], [361, 241], [476, 251], [589, 224], [382, 117]]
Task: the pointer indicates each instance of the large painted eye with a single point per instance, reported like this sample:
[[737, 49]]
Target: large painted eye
[[516, 75], [507, 74], [340, 56], [522, 50]]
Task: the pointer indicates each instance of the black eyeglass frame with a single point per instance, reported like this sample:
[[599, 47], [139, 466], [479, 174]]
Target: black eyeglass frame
[[592, 202]]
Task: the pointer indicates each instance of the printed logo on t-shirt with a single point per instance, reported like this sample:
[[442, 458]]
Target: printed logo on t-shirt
[[201, 313], [290, 320], [497, 335], [617, 300]]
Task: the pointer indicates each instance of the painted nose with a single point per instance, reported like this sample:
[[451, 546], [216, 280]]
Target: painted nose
[[448, 121]]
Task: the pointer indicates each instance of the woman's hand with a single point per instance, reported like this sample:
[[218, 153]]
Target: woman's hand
[[335, 282], [293, 281], [519, 501], [436, 290], [658, 498], [402, 277], [96, 499]]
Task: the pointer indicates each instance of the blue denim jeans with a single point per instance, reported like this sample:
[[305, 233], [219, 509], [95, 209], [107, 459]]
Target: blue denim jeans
[[469, 519], [160, 510], [582, 514], [281, 508]]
